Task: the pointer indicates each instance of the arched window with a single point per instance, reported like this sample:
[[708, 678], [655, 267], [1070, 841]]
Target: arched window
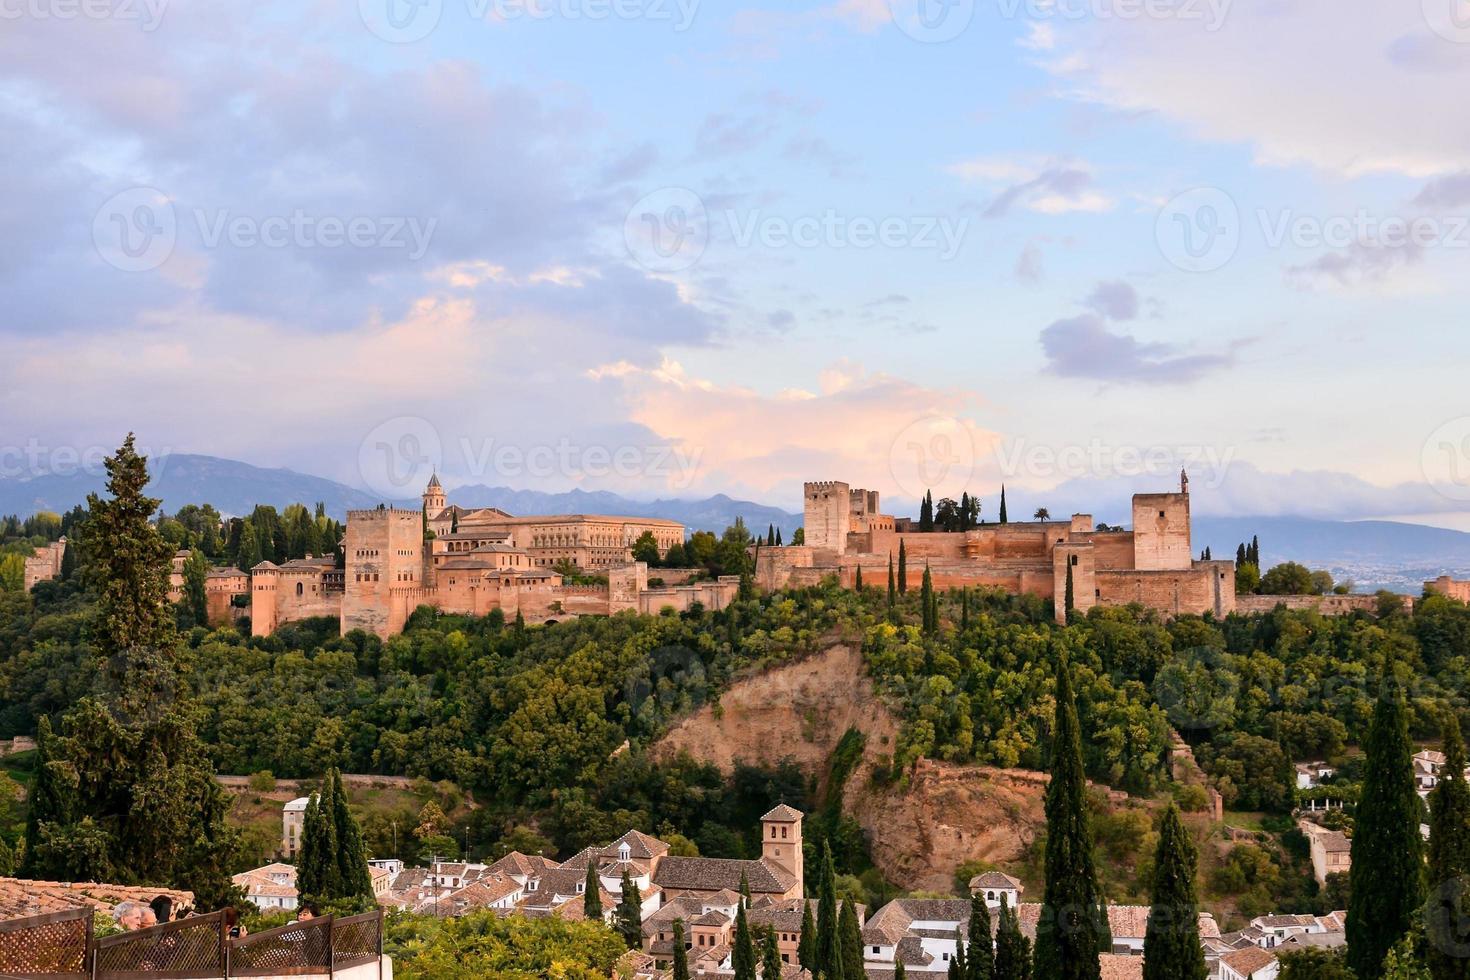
[[299, 589]]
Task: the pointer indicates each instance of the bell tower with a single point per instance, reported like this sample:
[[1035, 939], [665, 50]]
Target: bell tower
[[434, 501], [781, 843]]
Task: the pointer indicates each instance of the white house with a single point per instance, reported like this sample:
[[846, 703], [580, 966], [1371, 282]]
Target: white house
[[995, 886], [270, 887], [1251, 963]]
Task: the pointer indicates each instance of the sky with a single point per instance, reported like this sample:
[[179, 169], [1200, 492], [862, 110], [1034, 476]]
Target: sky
[[681, 247]]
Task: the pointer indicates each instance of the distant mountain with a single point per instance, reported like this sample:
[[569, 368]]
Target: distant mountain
[[234, 488], [1374, 554]]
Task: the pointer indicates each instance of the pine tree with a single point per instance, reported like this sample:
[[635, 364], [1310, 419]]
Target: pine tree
[[1003, 518], [353, 877], [1449, 861], [829, 948], [852, 943], [629, 914], [770, 957], [981, 959], [681, 953], [806, 947], [592, 898], [49, 803], [903, 568], [1171, 945], [743, 959], [1386, 884], [1071, 930], [1012, 949]]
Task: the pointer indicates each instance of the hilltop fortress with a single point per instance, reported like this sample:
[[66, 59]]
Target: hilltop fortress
[[1152, 565]]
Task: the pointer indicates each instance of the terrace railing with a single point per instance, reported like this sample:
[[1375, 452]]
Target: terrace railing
[[46, 947]]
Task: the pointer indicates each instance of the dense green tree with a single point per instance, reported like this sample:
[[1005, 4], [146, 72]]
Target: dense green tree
[[1448, 908], [806, 948], [980, 961], [196, 570], [829, 943], [1171, 945], [1012, 948], [353, 877], [629, 915], [851, 941], [743, 957], [645, 549], [50, 803], [507, 947], [319, 875], [1071, 931], [1314, 964], [592, 896], [1288, 578], [1387, 872], [681, 952], [770, 957]]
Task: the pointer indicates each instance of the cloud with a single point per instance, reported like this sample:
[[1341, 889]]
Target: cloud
[[1444, 193], [1029, 264], [1049, 188], [1360, 264], [1115, 300], [1084, 347]]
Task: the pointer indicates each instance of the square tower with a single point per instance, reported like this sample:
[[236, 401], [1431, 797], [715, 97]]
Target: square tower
[[827, 515], [384, 551], [781, 840], [1161, 536]]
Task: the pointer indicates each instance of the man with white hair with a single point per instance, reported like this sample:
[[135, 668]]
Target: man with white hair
[[131, 916]]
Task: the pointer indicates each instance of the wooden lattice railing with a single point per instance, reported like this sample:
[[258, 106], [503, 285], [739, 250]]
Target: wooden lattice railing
[[51, 946], [60, 946]]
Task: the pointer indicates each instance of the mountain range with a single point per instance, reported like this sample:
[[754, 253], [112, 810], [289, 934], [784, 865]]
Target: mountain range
[[1372, 554]]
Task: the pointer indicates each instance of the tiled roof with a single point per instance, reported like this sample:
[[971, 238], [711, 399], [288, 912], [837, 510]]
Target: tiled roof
[[22, 897], [1247, 961], [782, 814], [994, 879], [1121, 967], [713, 874]]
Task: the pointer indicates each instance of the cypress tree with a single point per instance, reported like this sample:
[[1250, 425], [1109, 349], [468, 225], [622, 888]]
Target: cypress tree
[[1240, 558], [770, 957], [1449, 861], [743, 959], [196, 569], [352, 868], [964, 609], [778, 537], [965, 511], [1070, 598], [1012, 949], [744, 890], [957, 961], [629, 915], [926, 511], [1386, 883], [70, 557], [857, 579], [829, 948], [898, 971], [806, 948], [852, 943], [903, 568], [892, 589], [1071, 930], [1003, 518], [926, 599], [981, 958], [681, 954], [1171, 946], [317, 868], [1255, 551], [592, 898], [49, 803]]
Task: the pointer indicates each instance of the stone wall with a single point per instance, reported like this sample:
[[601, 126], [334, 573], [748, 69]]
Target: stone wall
[[711, 595], [44, 564], [1327, 605], [1446, 586]]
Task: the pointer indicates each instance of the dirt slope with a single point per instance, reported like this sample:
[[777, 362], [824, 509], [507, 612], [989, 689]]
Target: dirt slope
[[945, 816]]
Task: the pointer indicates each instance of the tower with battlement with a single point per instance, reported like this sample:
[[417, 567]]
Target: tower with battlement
[[827, 516], [384, 551]]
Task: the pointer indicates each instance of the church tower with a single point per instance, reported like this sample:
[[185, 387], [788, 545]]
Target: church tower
[[434, 501], [781, 842]]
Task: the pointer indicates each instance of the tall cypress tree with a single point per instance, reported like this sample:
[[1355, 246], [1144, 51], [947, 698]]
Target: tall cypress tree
[[892, 588], [770, 957], [1240, 558], [1449, 862], [1071, 931], [592, 897], [981, 959], [681, 953], [926, 600], [1012, 949], [898, 971], [316, 876], [354, 880], [1070, 596], [1003, 518], [743, 959], [957, 968], [851, 940], [1171, 946], [806, 948], [857, 579], [829, 948], [926, 511], [629, 915], [903, 568], [49, 803], [1386, 880]]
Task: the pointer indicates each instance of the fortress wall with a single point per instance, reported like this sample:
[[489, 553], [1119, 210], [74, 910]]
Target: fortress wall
[[827, 515], [1171, 592], [1327, 605], [1113, 549]]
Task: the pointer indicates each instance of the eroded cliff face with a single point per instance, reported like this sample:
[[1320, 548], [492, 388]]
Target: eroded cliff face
[[946, 814]]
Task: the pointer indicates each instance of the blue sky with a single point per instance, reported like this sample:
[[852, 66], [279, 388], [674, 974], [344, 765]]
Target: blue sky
[[1069, 245]]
